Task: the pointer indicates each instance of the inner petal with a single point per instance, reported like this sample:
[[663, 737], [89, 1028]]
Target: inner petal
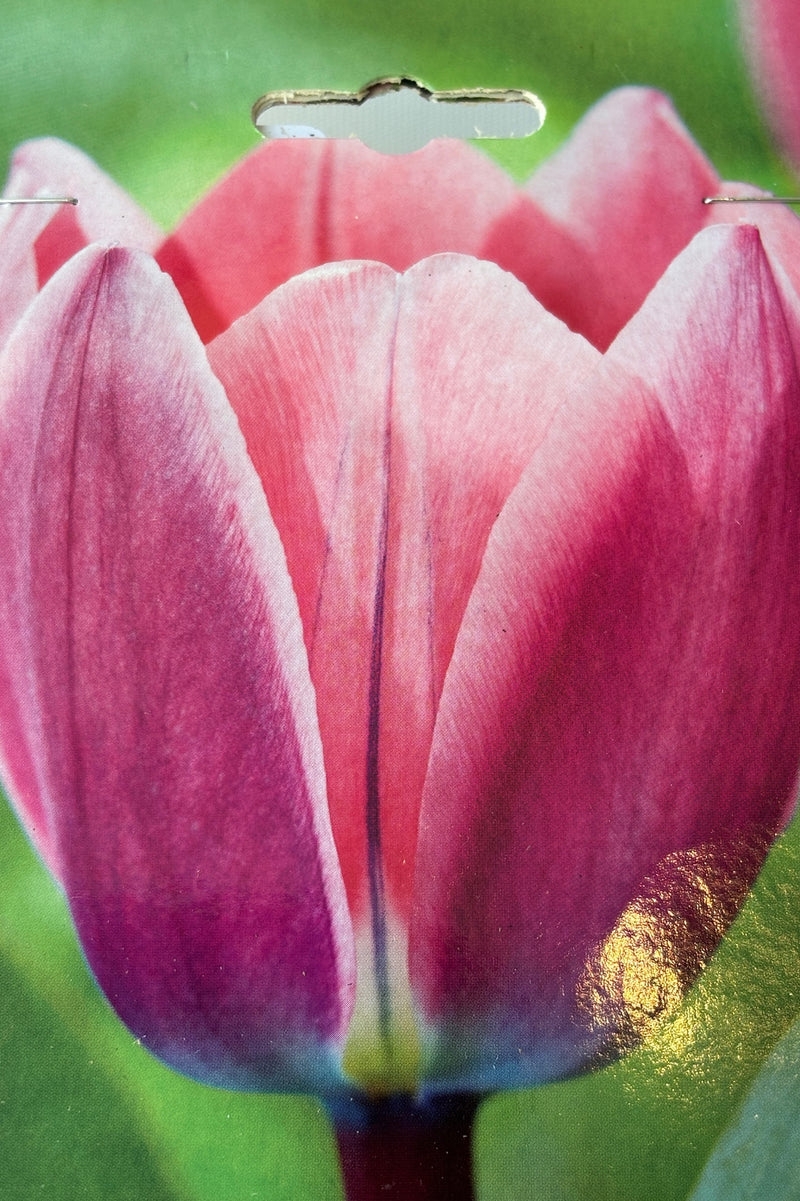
[[389, 418]]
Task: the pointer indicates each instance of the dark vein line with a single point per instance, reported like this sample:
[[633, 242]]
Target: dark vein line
[[377, 888]]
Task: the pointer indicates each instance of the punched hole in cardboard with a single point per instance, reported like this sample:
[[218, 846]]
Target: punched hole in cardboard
[[397, 115]]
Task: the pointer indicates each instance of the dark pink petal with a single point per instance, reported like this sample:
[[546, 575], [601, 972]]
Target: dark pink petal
[[389, 419], [618, 733], [155, 704], [771, 31], [606, 215], [293, 205]]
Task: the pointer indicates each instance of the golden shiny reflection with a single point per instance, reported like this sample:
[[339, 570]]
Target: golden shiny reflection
[[640, 973]]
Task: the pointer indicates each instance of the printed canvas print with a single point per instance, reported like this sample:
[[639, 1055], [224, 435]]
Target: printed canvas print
[[400, 611]]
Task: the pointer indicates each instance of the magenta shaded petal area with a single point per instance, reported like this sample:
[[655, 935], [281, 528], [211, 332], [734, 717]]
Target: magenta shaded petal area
[[771, 36], [617, 739], [293, 205], [600, 221], [155, 700]]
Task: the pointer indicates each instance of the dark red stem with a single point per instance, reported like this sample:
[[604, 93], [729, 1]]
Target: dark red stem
[[398, 1147]]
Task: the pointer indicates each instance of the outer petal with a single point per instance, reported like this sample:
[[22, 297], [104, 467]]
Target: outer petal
[[155, 703], [389, 420], [606, 215], [779, 229], [20, 226], [618, 737], [35, 241], [294, 205], [771, 31]]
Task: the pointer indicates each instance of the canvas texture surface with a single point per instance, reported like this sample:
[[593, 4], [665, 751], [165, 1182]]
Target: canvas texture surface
[[399, 609]]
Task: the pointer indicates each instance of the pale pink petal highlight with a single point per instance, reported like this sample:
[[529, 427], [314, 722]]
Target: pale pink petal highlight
[[104, 212], [20, 225], [36, 240]]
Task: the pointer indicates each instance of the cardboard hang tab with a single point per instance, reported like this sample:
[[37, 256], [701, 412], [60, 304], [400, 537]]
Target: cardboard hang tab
[[397, 116]]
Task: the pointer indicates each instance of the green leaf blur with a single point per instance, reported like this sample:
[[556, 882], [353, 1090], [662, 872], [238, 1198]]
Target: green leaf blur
[[160, 91], [758, 1159]]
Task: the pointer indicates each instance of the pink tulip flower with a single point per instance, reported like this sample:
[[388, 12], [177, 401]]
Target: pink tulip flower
[[404, 686], [771, 30]]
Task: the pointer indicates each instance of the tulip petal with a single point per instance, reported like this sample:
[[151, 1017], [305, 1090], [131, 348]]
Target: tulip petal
[[36, 241], [155, 702], [771, 30], [389, 419], [602, 219], [617, 738], [293, 205], [20, 226], [779, 230]]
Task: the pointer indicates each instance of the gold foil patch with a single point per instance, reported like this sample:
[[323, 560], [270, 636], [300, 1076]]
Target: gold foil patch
[[640, 973]]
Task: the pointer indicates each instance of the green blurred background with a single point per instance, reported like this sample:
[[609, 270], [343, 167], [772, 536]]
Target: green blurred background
[[159, 92]]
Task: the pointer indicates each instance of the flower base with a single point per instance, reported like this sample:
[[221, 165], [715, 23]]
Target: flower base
[[399, 1147]]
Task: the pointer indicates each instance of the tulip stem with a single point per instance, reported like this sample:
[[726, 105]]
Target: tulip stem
[[398, 1147]]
